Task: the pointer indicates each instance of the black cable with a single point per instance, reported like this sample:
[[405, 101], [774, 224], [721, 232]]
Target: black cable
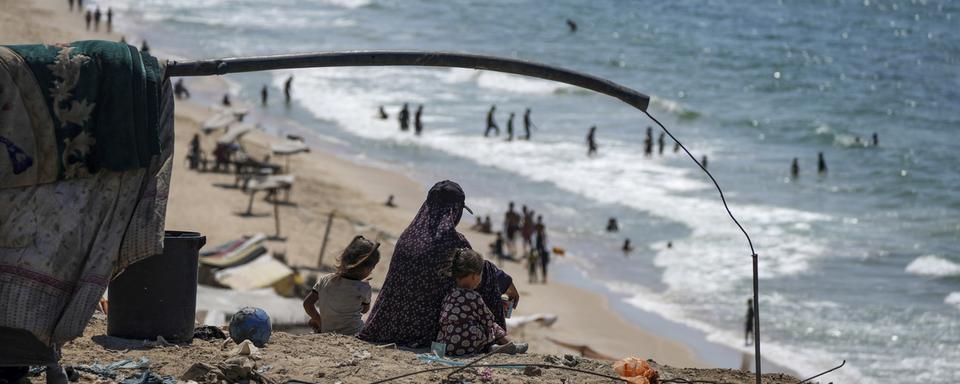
[[753, 253], [514, 365]]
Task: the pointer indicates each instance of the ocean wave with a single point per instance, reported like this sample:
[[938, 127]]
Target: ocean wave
[[502, 81], [953, 299], [674, 107], [349, 4], [933, 265]]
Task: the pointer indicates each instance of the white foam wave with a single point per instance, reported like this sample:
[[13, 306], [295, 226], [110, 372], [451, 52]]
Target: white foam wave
[[953, 299], [933, 265], [500, 81], [715, 258], [351, 4]]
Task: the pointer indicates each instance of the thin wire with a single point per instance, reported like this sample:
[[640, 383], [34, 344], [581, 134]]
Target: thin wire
[[753, 253], [824, 372], [515, 365]]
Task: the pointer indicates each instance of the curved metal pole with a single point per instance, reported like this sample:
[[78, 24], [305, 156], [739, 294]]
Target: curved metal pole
[[407, 58]]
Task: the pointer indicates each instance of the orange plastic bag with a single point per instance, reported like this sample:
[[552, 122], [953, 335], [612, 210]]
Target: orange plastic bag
[[636, 370]]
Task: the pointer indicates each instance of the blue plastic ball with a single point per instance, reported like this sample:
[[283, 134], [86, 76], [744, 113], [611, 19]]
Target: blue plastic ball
[[251, 323]]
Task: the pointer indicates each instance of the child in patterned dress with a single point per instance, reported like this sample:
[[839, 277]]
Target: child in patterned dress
[[467, 326]]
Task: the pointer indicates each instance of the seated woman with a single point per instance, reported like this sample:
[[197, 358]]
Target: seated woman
[[466, 324], [410, 301]]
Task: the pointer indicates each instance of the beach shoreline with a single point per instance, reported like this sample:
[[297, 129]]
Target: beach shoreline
[[327, 182]]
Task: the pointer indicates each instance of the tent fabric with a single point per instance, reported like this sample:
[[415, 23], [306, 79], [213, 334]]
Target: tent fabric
[[63, 238], [102, 100]]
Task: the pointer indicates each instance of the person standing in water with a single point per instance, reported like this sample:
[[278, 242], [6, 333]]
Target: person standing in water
[[510, 127], [876, 140], [703, 161], [748, 323], [592, 141], [676, 146], [404, 117], [541, 248], [491, 123], [526, 124], [612, 225], [287, 85], [383, 114], [263, 96], [627, 247], [572, 25], [417, 124], [648, 143], [96, 19], [821, 163], [660, 144], [795, 168]]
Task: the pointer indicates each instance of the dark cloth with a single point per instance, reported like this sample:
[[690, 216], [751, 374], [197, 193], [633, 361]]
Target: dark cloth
[[104, 99], [407, 310]]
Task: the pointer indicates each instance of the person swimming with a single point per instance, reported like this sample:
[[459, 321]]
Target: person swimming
[[612, 225], [572, 25]]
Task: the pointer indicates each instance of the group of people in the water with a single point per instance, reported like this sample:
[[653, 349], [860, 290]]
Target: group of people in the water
[[528, 228], [822, 163], [403, 117], [493, 127]]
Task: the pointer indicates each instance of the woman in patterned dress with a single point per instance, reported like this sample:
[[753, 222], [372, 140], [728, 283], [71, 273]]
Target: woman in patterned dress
[[409, 303], [466, 324]]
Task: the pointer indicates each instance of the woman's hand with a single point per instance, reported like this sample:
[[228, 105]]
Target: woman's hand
[[513, 295]]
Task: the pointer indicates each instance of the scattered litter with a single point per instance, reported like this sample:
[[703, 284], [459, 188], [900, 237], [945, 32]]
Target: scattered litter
[[148, 377], [208, 332], [251, 323], [566, 360], [532, 371], [109, 370], [636, 370], [246, 348]]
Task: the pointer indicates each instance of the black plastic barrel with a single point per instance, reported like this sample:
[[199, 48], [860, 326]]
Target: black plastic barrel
[[157, 296]]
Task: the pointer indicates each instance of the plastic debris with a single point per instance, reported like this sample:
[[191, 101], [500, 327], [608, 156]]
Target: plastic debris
[[208, 332], [148, 377], [246, 348], [250, 323], [636, 370]]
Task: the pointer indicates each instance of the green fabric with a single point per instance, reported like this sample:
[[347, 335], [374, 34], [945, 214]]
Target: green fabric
[[104, 98]]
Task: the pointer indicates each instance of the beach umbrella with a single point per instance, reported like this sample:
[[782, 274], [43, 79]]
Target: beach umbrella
[[288, 148]]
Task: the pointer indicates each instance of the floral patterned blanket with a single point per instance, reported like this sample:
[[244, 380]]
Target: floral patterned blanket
[[86, 146], [69, 110]]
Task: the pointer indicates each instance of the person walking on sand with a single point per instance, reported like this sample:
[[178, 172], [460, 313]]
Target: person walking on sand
[[527, 228], [748, 323], [287, 85], [541, 249], [648, 143], [383, 114], [263, 96], [527, 124], [88, 16], [510, 127], [404, 117], [390, 202], [109, 20], [821, 163], [511, 224], [660, 144], [491, 123], [417, 124], [96, 19], [592, 141], [795, 168], [180, 91]]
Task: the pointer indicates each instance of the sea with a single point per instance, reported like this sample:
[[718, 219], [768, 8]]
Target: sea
[[861, 263]]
